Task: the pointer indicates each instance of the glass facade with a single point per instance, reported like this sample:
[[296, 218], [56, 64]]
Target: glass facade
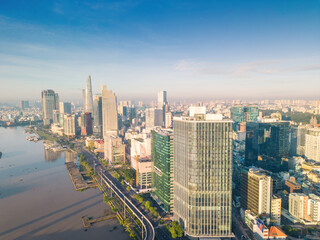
[[162, 164], [244, 114], [203, 177], [267, 144]]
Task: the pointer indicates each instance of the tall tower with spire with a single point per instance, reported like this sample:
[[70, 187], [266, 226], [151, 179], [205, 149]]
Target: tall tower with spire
[[88, 104]]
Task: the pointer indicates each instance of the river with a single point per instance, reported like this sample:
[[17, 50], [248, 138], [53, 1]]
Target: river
[[37, 197]]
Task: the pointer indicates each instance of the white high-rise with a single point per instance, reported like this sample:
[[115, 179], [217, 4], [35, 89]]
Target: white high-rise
[[88, 104], [312, 146], [162, 99]]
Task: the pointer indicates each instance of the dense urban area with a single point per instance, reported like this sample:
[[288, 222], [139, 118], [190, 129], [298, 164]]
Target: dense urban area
[[229, 169]]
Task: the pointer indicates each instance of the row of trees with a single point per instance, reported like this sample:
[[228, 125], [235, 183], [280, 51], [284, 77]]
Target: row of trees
[[148, 205]]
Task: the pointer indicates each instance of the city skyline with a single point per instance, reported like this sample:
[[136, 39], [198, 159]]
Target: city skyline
[[265, 49]]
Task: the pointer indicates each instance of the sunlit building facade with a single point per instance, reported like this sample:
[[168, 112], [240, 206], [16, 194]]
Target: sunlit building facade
[[203, 176]]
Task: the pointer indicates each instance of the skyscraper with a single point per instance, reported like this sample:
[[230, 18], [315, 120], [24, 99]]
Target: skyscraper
[[97, 117], [312, 148], [203, 175], [50, 102], [162, 164], [154, 118], [69, 125], [267, 143], [241, 114], [65, 107], [86, 124], [162, 99], [256, 190], [88, 107], [109, 112]]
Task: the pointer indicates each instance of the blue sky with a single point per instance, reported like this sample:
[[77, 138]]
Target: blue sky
[[193, 49]]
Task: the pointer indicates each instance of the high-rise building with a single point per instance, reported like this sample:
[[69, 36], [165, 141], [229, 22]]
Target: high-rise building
[[114, 149], [203, 175], [86, 124], [298, 205], [23, 104], [244, 114], [88, 107], [69, 125], [256, 190], [109, 112], [56, 117], [275, 213], [168, 120], [301, 139], [267, 143], [50, 102], [65, 107], [162, 99], [314, 207], [312, 147], [97, 118], [154, 118], [162, 164]]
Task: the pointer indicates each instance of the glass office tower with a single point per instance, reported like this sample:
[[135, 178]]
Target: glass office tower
[[162, 164], [203, 176]]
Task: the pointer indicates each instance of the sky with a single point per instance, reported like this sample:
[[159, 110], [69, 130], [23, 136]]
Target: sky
[[209, 49]]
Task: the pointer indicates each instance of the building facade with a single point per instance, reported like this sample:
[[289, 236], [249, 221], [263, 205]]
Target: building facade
[[154, 118], [203, 176], [97, 117], [256, 190], [86, 124], [69, 125], [298, 205], [267, 143], [88, 104], [50, 102], [312, 147], [162, 165]]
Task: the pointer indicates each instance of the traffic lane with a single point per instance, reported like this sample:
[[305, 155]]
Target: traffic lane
[[132, 208]]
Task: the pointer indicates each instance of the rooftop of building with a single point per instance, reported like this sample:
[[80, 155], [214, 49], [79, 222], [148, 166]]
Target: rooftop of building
[[276, 232], [203, 118], [163, 131]]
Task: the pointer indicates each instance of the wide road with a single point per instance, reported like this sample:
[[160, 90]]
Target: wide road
[[149, 234]]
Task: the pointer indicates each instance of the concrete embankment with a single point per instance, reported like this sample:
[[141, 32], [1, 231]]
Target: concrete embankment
[[77, 179]]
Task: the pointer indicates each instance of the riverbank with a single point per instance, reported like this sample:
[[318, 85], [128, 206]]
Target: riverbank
[[38, 199]]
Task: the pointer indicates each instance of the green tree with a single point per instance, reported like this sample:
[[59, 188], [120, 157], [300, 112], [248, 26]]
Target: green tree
[[147, 204]]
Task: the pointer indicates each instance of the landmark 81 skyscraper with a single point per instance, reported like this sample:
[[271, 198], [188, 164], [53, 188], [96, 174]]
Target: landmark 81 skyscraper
[[88, 101], [203, 175]]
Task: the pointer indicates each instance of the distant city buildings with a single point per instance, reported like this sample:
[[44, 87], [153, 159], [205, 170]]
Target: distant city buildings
[[69, 125], [86, 124], [241, 114], [97, 117], [23, 104], [154, 118], [65, 107], [88, 100], [50, 102]]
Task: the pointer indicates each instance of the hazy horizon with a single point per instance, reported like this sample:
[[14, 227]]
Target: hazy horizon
[[194, 50]]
